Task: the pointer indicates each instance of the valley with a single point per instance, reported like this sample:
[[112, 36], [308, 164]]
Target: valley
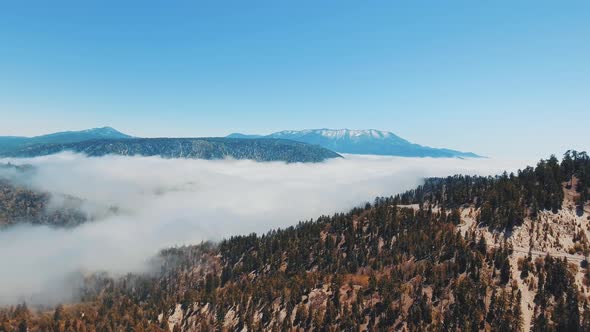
[[456, 253]]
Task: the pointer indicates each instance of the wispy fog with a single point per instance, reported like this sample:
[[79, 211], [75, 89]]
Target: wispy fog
[[167, 202]]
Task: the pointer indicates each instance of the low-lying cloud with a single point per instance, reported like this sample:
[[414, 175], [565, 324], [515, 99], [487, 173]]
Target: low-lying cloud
[[168, 202]]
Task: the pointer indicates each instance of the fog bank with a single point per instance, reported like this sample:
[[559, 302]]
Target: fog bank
[[167, 202]]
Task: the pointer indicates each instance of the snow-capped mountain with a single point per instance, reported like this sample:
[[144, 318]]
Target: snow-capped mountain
[[340, 134], [366, 141]]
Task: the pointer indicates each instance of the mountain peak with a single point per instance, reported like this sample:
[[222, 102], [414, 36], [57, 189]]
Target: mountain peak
[[15, 143], [102, 129], [365, 141], [106, 132], [339, 133], [343, 134]]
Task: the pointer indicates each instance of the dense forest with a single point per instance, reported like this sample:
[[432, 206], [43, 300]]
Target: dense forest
[[384, 266], [261, 149], [507, 199]]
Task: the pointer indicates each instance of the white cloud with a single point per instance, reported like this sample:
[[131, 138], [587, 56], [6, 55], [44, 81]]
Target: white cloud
[[167, 202]]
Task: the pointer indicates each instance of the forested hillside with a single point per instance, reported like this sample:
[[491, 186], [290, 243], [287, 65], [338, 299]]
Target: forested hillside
[[507, 199], [447, 256], [264, 149], [20, 204]]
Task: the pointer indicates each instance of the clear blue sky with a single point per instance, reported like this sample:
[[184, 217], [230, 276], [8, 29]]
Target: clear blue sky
[[500, 78]]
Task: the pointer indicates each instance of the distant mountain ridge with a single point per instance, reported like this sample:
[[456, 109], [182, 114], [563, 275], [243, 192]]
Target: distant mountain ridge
[[369, 141], [264, 149], [11, 143], [313, 145]]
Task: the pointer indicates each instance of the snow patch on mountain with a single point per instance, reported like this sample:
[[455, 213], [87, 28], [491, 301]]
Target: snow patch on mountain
[[364, 141]]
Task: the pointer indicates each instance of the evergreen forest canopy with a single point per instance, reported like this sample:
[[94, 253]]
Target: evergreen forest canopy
[[507, 199], [263, 149]]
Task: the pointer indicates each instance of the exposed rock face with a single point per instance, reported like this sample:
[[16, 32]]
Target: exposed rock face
[[176, 317]]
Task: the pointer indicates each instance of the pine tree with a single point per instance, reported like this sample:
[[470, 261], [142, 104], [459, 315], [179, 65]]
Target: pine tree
[[572, 309], [517, 312], [23, 326], [505, 272]]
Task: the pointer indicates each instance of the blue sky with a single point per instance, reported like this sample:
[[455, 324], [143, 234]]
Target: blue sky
[[500, 78]]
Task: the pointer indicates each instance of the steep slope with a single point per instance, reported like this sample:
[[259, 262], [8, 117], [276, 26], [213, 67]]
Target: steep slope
[[200, 148], [369, 141], [11, 143]]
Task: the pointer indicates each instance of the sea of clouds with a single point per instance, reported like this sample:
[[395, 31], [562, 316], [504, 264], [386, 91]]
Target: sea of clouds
[[167, 202]]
